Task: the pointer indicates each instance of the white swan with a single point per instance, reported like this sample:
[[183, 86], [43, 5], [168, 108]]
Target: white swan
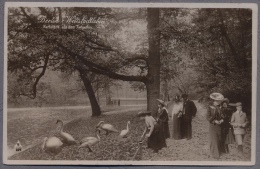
[[124, 133], [108, 128], [52, 145], [66, 137], [90, 141]]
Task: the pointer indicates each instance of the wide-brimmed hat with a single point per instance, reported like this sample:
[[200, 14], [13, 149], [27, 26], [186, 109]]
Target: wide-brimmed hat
[[235, 104], [161, 102], [225, 100], [216, 96], [143, 113]]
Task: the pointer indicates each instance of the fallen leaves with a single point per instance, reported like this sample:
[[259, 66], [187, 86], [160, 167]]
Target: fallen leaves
[[113, 147]]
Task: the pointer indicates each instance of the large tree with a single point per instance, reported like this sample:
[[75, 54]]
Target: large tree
[[67, 47]]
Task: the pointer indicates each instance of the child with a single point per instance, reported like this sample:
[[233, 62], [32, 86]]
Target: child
[[239, 122]]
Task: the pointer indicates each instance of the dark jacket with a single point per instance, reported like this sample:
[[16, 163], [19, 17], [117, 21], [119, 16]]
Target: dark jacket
[[189, 109], [214, 113], [163, 121]]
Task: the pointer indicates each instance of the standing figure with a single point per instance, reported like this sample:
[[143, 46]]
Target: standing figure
[[153, 131], [215, 118], [163, 118], [18, 146], [189, 112], [227, 136], [176, 118], [239, 122]]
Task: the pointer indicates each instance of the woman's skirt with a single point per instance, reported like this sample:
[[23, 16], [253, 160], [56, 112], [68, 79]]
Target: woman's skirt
[[157, 140], [230, 139], [215, 140], [176, 128]]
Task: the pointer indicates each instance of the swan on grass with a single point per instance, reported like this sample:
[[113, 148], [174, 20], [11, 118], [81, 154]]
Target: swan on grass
[[108, 128], [66, 138]]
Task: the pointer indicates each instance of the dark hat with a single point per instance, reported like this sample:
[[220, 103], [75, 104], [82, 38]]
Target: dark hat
[[236, 104], [161, 102], [143, 113], [216, 96], [184, 95], [225, 100]]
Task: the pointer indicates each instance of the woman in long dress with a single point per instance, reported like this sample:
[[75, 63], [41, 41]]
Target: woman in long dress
[[153, 131], [215, 118], [176, 115], [163, 118], [226, 128]]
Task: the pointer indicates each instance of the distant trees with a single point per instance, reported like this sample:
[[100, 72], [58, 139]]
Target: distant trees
[[222, 48], [218, 41]]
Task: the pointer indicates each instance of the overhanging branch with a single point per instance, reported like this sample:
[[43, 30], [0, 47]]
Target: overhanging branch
[[100, 69]]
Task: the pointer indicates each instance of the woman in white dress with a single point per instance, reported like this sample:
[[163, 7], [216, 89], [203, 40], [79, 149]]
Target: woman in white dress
[[176, 118]]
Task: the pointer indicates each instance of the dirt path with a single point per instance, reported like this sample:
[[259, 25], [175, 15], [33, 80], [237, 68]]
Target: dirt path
[[197, 147]]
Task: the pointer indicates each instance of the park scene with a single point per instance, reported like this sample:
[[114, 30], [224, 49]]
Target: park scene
[[103, 83]]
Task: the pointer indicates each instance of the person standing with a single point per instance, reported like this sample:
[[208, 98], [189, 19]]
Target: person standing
[[215, 118], [153, 131], [176, 119], [189, 112], [163, 118], [239, 122], [227, 136]]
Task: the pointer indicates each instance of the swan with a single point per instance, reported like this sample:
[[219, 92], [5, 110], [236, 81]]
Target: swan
[[124, 133], [52, 145], [108, 128], [90, 141], [66, 137]]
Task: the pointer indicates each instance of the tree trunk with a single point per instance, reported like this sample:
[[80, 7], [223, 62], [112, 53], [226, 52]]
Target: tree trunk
[[91, 95], [153, 84], [166, 91]]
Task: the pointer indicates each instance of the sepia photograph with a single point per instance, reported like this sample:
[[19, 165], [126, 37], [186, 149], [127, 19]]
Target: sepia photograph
[[130, 83]]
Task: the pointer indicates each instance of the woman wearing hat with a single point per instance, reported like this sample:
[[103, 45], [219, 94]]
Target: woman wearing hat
[[215, 118], [163, 118], [239, 122], [226, 128], [153, 132], [176, 122]]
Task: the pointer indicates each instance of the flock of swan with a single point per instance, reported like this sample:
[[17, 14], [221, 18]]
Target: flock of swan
[[54, 145]]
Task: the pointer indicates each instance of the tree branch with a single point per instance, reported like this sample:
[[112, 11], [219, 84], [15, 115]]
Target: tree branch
[[100, 69]]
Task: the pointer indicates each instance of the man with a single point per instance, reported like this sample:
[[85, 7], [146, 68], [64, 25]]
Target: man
[[239, 122], [189, 112]]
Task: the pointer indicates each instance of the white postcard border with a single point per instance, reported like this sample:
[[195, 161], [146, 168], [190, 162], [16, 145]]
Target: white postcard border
[[253, 6]]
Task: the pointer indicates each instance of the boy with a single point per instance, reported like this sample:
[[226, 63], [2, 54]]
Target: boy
[[239, 122]]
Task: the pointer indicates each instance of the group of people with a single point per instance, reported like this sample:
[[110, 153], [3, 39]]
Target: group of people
[[157, 128], [225, 126]]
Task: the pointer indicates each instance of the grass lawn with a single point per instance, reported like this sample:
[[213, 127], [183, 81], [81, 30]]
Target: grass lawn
[[112, 147], [30, 126]]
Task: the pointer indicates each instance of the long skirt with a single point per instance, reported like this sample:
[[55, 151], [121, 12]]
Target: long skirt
[[224, 134], [230, 139], [176, 127], [166, 129], [157, 140], [214, 140]]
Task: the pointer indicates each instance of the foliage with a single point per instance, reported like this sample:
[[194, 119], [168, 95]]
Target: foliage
[[222, 49]]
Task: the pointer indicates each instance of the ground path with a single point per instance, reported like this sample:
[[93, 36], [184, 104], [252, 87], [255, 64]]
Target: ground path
[[197, 148]]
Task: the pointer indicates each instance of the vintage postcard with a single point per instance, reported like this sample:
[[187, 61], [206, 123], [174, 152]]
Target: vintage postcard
[[130, 83]]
